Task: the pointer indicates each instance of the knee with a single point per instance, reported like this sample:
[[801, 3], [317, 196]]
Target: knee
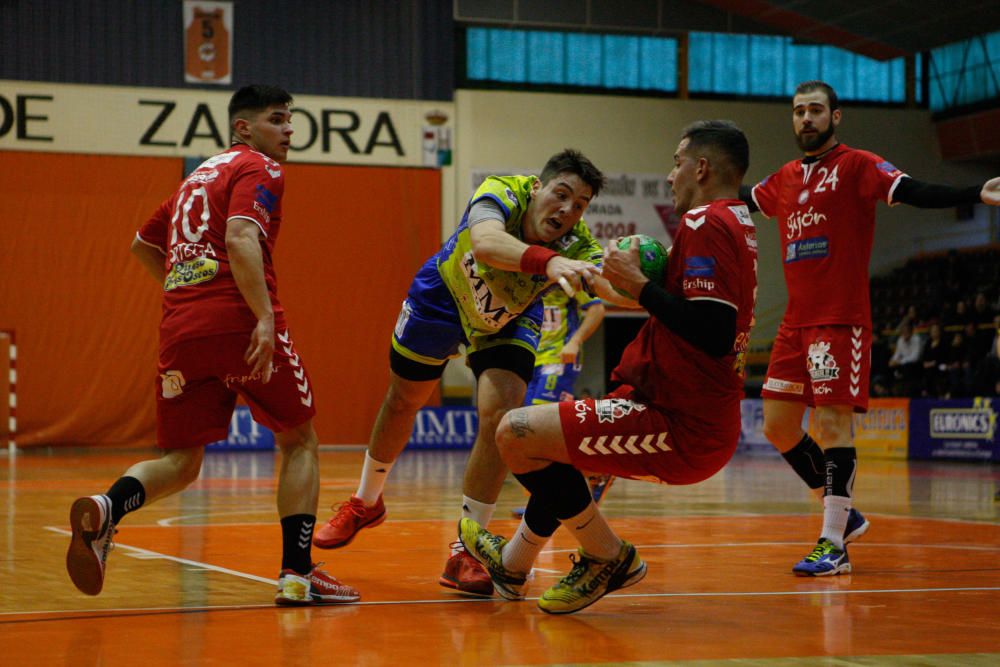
[[505, 437], [400, 400], [782, 434], [831, 430]]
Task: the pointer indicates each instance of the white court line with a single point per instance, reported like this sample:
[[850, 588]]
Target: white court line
[[184, 561], [381, 603]]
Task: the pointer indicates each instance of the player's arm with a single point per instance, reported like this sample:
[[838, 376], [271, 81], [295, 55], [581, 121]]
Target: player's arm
[[246, 261], [493, 245], [151, 257], [932, 195], [592, 318], [746, 196], [708, 325]]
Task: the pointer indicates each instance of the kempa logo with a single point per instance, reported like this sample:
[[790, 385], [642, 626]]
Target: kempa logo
[[976, 423]]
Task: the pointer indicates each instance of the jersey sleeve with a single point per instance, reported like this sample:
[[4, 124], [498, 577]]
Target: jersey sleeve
[[710, 268], [580, 244], [256, 193], [765, 194], [584, 300], [496, 190], [877, 176], [154, 231]]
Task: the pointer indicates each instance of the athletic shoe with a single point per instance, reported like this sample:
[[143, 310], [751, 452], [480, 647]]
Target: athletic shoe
[[487, 548], [317, 587], [825, 560], [857, 525], [463, 573], [599, 483], [591, 579], [90, 520], [349, 518]]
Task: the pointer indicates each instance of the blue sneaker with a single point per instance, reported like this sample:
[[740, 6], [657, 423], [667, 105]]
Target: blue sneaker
[[825, 560], [857, 525]]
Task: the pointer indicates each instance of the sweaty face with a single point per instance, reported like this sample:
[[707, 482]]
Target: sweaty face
[[556, 207], [813, 122], [683, 178], [270, 132]]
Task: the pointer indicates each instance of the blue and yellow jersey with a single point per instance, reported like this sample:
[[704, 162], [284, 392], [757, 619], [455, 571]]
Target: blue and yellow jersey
[[561, 320], [487, 297]]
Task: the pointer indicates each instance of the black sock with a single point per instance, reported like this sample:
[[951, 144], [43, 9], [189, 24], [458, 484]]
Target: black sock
[[808, 461], [127, 495], [296, 542], [841, 466], [540, 518], [560, 488]]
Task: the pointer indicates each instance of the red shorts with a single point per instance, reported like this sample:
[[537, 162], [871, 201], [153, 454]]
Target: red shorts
[[200, 379], [827, 365], [635, 440]]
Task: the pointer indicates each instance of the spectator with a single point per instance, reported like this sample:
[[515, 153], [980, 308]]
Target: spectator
[[934, 360], [987, 373], [905, 360]]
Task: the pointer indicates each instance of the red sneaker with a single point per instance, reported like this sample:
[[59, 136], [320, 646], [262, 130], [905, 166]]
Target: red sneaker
[[464, 573], [317, 587], [90, 519], [349, 517]]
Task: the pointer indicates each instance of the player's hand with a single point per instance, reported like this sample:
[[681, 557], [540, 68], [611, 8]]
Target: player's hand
[[990, 193], [572, 272], [622, 267], [260, 353], [570, 351]]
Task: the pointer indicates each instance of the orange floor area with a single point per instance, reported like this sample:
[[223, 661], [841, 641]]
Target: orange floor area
[[191, 578]]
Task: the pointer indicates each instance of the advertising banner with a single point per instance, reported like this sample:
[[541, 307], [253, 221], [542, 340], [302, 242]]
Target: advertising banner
[[884, 431], [957, 429], [446, 427], [168, 122], [244, 433]]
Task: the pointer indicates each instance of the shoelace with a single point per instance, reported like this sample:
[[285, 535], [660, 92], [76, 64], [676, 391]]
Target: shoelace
[[818, 551], [340, 516]]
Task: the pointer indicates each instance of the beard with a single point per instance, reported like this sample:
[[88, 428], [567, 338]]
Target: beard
[[811, 143]]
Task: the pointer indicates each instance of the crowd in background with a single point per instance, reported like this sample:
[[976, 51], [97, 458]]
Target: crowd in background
[[937, 321]]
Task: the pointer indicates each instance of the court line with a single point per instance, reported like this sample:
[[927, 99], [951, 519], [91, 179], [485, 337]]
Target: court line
[[183, 561], [184, 610]]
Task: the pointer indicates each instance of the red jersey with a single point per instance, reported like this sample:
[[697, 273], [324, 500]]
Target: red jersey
[[714, 257], [826, 216], [200, 296]]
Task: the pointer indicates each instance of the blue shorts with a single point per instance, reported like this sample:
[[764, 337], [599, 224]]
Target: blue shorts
[[552, 383], [430, 329]]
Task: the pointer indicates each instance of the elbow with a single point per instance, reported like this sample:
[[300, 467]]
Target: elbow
[[720, 345]]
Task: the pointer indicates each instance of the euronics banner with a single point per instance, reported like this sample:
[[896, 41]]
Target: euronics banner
[[960, 429], [112, 120]]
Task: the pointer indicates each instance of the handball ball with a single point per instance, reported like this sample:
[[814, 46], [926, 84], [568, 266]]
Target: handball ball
[[653, 259]]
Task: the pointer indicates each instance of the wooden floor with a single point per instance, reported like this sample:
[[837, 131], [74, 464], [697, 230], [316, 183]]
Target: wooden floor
[[191, 578]]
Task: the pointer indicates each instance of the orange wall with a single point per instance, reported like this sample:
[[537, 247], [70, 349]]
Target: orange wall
[[86, 314]]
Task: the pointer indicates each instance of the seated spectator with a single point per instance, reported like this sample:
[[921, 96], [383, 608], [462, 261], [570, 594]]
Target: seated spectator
[[986, 377], [934, 360], [905, 361]]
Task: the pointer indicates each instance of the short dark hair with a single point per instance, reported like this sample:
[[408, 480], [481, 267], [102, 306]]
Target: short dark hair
[[574, 162], [722, 137], [810, 86], [256, 97]]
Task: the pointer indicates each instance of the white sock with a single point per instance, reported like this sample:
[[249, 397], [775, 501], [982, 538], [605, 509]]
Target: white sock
[[592, 531], [836, 509], [479, 512], [520, 553], [373, 476]]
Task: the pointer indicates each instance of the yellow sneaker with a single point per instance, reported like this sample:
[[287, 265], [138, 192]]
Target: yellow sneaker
[[591, 579], [487, 548]]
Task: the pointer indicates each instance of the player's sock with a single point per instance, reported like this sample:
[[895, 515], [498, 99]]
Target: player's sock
[[296, 542], [592, 531], [841, 468], [127, 494], [520, 552], [808, 462], [373, 476]]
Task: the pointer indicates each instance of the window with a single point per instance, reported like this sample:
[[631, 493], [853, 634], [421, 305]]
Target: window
[[620, 62], [965, 72]]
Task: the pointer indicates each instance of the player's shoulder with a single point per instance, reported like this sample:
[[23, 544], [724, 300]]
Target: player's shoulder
[[864, 159], [725, 212]]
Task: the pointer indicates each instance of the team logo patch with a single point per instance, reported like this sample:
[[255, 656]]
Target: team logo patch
[[196, 271], [699, 267], [820, 363], [511, 197], [804, 196], [888, 168], [784, 386], [611, 409], [266, 198], [816, 248]]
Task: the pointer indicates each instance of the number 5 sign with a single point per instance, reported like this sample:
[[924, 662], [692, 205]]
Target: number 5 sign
[[208, 46]]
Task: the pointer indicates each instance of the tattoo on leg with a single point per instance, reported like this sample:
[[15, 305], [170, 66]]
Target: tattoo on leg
[[519, 424]]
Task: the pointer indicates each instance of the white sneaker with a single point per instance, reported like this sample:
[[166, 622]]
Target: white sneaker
[[90, 520]]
